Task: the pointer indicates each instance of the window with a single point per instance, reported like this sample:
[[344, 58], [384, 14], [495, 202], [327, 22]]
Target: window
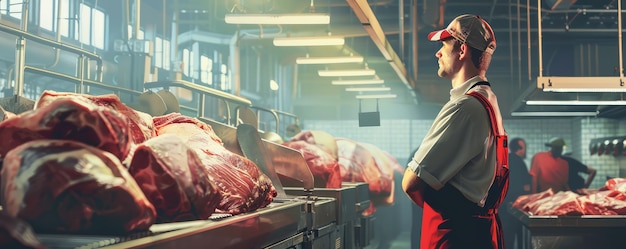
[[185, 62], [15, 8], [64, 22], [192, 65], [140, 33], [224, 78], [166, 54], [158, 52], [98, 22], [83, 32], [47, 12], [206, 67]]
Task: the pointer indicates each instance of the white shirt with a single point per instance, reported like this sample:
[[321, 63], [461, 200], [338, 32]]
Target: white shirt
[[459, 148]]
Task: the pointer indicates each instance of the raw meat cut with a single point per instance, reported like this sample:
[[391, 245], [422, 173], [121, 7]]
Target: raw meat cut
[[323, 166], [357, 164], [174, 180], [523, 200], [243, 186], [141, 126], [322, 139], [71, 119], [67, 186], [561, 203]]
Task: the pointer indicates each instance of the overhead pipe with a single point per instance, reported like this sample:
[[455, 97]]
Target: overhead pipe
[[20, 52], [619, 37], [401, 27], [58, 36]]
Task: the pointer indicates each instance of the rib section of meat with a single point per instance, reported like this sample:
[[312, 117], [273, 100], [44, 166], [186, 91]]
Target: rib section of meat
[[243, 186], [174, 180], [71, 119], [67, 186]]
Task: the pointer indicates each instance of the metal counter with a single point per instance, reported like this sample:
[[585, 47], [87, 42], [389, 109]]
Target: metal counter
[[586, 231], [280, 225]]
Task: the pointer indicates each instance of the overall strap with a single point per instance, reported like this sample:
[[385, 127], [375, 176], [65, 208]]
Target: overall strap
[[492, 114]]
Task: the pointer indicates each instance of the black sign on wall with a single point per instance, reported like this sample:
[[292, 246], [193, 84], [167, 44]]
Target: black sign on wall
[[369, 118]]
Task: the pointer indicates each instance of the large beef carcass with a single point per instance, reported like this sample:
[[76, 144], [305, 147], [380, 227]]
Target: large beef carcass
[[243, 186], [71, 119], [67, 186], [174, 180], [323, 166], [141, 125]]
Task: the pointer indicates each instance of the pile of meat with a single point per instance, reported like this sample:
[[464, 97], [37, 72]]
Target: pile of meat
[[608, 200], [333, 160], [90, 164]]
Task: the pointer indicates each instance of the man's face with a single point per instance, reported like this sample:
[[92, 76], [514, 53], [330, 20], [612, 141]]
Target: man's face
[[448, 56], [556, 151], [522, 149]]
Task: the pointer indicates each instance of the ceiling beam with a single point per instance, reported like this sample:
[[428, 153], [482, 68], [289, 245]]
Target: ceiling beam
[[371, 25]]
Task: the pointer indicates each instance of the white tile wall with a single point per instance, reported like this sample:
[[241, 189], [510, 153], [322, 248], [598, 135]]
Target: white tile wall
[[400, 137]]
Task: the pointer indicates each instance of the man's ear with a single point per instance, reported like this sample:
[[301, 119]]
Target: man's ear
[[464, 51]]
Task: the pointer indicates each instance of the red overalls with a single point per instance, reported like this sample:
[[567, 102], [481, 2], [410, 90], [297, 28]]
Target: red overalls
[[452, 221]]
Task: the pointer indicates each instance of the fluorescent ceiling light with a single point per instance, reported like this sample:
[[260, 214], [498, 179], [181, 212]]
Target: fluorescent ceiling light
[[329, 60], [367, 89], [352, 72], [553, 114], [376, 96], [358, 82], [309, 41], [311, 18], [575, 102], [581, 84]]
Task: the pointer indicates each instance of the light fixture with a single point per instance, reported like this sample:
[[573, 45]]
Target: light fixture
[[367, 89], [553, 114], [329, 60], [575, 102], [376, 96], [349, 72], [273, 85], [358, 82], [305, 18], [581, 84], [309, 41]]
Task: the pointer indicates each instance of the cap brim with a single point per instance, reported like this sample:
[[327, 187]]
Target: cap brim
[[439, 35]]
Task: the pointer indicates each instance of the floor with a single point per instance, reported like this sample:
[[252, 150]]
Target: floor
[[401, 242]]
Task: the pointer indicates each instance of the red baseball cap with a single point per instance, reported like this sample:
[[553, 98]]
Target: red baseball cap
[[469, 29]]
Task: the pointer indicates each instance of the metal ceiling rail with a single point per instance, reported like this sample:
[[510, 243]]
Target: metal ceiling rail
[[371, 25]]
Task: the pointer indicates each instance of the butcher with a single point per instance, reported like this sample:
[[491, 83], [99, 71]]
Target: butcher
[[459, 174]]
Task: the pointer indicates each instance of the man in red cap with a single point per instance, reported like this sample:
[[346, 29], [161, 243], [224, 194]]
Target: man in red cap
[[460, 192]]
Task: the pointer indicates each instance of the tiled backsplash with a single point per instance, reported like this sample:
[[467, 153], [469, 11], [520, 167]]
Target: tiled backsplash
[[401, 137]]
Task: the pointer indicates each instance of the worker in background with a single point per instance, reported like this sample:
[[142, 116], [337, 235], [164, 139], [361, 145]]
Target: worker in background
[[453, 171], [519, 184], [549, 169], [575, 180]]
